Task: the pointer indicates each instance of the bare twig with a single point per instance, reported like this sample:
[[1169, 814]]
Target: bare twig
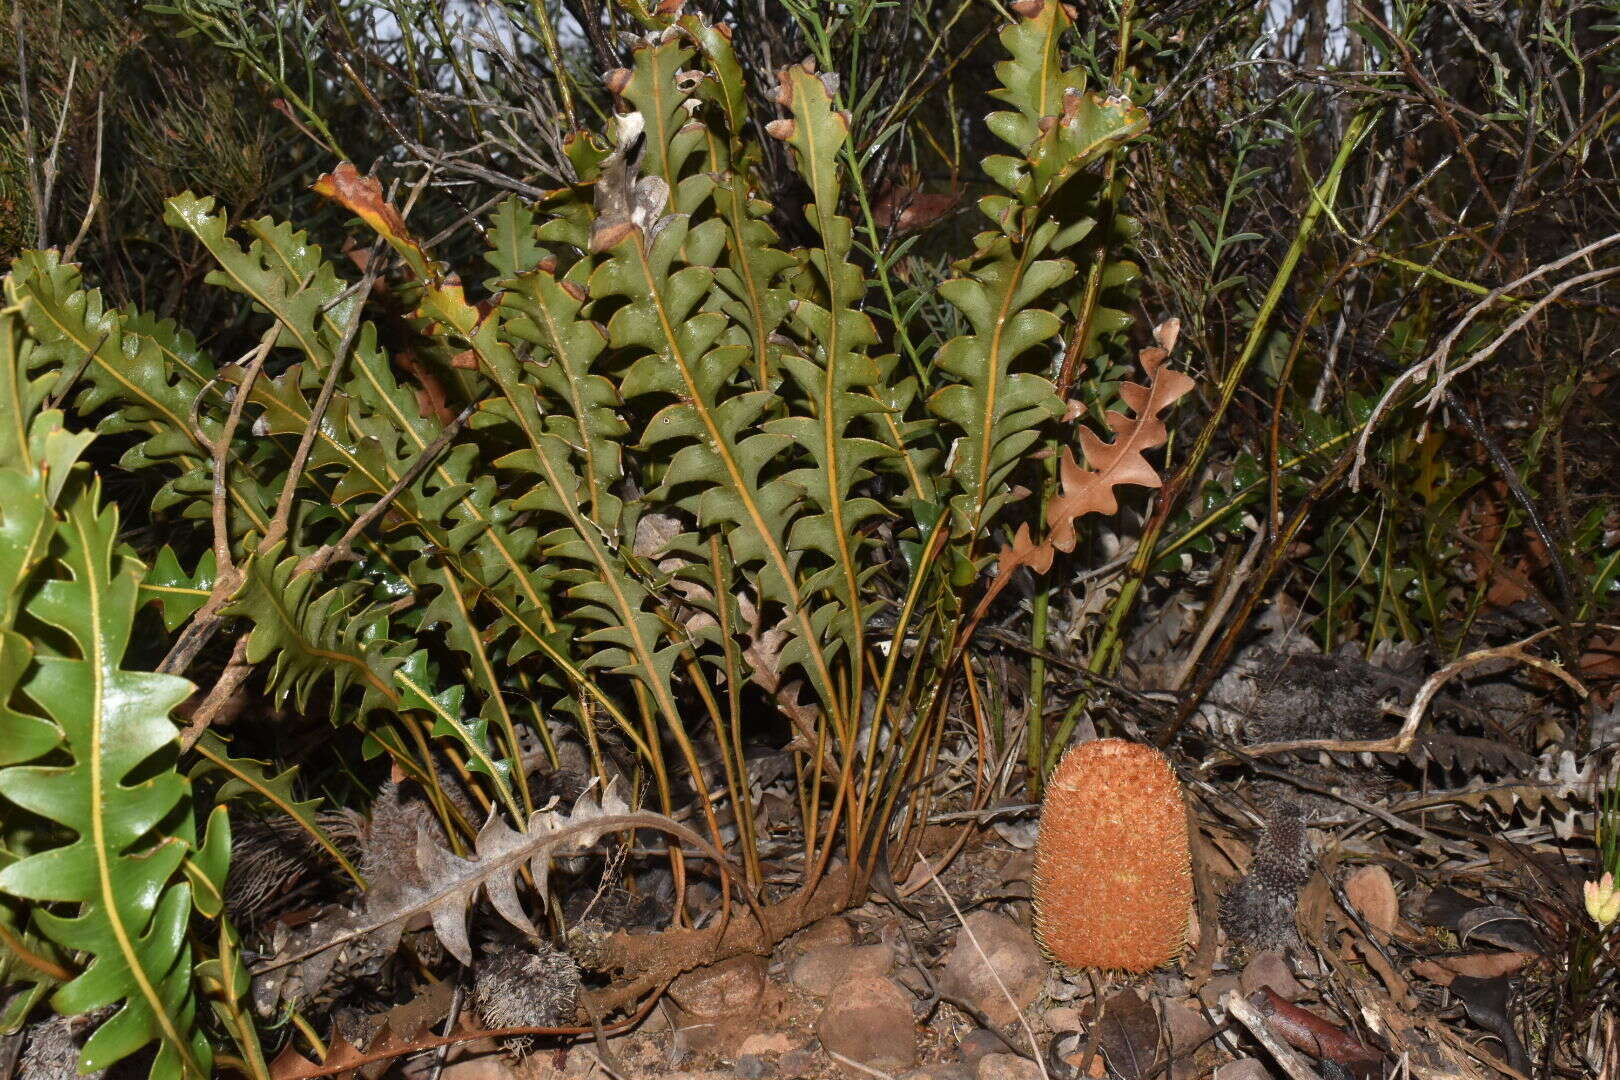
[[94, 204], [450, 1020], [1434, 363], [1218, 610], [228, 577], [1291, 1060], [1401, 742], [343, 549], [236, 672], [281, 522], [222, 449], [53, 159]]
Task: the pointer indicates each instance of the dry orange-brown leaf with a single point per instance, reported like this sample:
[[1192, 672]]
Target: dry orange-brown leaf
[[363, 195], [1090, 489], [1474, 965], [904, 206], [1372, 893], [290, 1065], [432, 402]]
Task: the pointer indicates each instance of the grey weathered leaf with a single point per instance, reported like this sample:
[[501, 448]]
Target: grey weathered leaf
[[306, 957]]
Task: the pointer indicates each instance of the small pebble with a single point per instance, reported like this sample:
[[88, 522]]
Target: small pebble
[[796, 1063], [869, 1021], [1216, 989], [942, 1070], [979, 1042], [751, 1067], [760, 1044], [1011, 980], [833, 930], [1063, 1018], [1270, 969], [823, 970], [1008, 1067]]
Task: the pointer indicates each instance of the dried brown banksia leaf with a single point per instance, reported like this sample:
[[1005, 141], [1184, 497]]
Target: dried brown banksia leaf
[[1113, 880]]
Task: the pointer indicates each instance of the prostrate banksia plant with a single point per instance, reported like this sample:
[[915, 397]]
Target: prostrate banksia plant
[[1113, 878], [434, 503]]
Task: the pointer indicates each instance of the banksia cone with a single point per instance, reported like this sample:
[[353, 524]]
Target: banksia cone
[[1113, 881], [1259, 911], [525, 986]]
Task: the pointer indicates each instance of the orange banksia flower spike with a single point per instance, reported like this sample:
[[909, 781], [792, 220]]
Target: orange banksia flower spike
[[1113, 879]]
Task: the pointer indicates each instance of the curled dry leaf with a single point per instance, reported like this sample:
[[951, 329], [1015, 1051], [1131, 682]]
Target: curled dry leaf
[[1445, 969], [305, 957], [1306, 1031], [1089, 489], [363, 196]]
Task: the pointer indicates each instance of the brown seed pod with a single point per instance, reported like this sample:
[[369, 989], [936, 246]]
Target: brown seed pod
[[1113, 880]]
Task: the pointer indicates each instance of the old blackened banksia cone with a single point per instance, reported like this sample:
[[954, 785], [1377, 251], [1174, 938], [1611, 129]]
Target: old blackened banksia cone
[[1113, 881]]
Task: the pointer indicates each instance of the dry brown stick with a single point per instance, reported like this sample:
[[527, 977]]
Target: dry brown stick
[[221, 450], [207, 620], [1436, 100], [280, 523], [1388, 817], [1292, 1062], [1094, 1036], [1217, 611], [53, 162], [95, 189], [1205, 899], [1401, 741], [1445, 375], [228, 578], [236, 672], [343, 549]]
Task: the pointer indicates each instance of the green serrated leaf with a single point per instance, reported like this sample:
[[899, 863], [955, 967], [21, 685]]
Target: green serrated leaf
[[129, 907], [259, 778]]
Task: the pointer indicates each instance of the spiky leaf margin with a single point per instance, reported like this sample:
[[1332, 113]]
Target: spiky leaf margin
[[114, 891]]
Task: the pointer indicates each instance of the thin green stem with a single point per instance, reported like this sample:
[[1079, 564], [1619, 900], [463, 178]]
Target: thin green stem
[[1105, 657], [1035, 724]]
